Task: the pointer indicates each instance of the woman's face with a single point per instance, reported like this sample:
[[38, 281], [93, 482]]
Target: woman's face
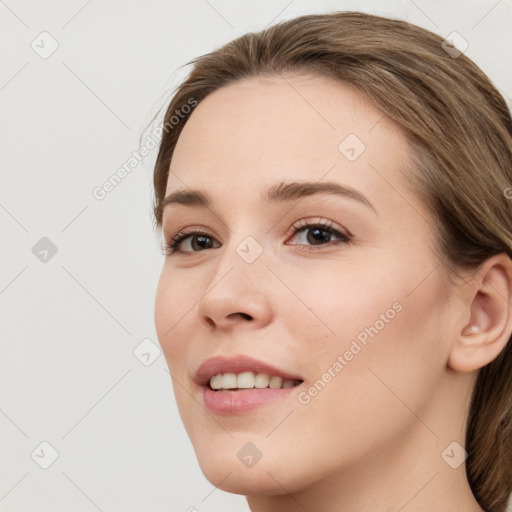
[[360, 318]]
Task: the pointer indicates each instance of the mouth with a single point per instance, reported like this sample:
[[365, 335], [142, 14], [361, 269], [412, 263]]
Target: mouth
[[238, 384], [250, 380]]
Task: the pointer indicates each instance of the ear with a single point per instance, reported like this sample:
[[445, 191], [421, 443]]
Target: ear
[[489, 307]]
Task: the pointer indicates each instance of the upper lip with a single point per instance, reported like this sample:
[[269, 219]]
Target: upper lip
[[237, 364]]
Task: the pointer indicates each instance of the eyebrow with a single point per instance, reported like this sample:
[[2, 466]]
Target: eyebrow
[[280, 192]]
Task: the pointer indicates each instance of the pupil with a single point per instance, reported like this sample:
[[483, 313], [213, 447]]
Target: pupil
[[201, 241], [321, 238]]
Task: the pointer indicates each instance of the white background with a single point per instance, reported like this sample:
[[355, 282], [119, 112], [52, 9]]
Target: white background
[[69, 325]]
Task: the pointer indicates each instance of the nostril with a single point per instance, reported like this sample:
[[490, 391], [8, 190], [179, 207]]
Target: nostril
[[210, 322], [243, 315]]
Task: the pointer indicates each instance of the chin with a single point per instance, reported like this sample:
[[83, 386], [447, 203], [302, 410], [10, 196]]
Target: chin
[[267, 477], [247, 481]]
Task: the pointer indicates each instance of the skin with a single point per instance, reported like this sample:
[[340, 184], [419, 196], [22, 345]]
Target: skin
[[372, 439]]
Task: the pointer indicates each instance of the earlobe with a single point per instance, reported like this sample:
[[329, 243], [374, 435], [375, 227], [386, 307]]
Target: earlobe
[[471, 351], [488, 299]]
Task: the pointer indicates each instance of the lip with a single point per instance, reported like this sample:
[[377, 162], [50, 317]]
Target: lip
[[237, 364], [238, 402]]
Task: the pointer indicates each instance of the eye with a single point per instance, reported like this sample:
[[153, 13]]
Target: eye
[[318, 234], [196, 238]]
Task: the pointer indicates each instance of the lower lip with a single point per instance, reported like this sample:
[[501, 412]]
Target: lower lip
[[236, 402]]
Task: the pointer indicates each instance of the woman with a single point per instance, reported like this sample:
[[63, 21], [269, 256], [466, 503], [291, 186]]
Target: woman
[[334, 306]]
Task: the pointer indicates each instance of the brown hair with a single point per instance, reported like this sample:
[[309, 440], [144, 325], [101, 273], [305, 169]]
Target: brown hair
[[459, 129]]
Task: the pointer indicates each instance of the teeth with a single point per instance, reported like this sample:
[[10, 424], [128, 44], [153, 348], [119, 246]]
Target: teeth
[[261, 380], [216, 382], [245, 380], [249, 380], [275, 382], [229, 381]]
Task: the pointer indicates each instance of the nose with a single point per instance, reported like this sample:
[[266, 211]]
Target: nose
[[233, 299]]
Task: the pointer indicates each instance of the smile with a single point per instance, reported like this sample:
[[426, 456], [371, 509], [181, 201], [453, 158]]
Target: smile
[[249, 380], [235, 384]]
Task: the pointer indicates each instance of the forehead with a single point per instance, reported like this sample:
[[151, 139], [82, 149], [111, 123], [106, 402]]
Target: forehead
[[265, 129]]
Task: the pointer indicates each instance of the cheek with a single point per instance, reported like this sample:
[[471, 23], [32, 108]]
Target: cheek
[[385, 360], [340, 301], [376, 315], [175, 304], [367, 300]]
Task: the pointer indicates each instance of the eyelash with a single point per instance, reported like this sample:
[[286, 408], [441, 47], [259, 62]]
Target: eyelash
[[171, 245]]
